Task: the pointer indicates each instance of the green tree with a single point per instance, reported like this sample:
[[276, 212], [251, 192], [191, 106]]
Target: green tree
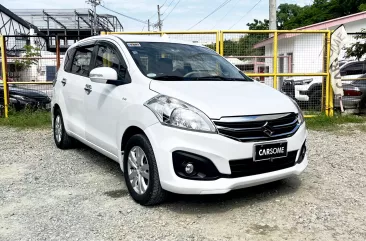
[[259, 25], [345, 7], [285, 13], [244, 46], [291, 16], [358, 49], [362, 7], [29, 60]]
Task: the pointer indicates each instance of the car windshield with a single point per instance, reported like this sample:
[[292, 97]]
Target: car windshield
[[182, 62]]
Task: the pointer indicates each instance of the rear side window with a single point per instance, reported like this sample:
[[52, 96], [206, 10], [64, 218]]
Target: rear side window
[[68, 60], [81, 61], [354, 69]]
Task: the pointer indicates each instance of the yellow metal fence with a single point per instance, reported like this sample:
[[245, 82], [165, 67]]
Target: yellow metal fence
[[264, 54], [272, 57], [27, 67]]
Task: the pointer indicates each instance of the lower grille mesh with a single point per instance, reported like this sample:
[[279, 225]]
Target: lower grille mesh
[[247, 167]]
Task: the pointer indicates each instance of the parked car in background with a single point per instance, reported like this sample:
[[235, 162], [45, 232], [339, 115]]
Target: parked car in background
[[308, 91], [352, 70], [176, 116], [354, 94], [21, 98]]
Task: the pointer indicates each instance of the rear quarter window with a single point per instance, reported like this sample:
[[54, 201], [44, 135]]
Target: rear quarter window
[[82, 60], [68, 60]]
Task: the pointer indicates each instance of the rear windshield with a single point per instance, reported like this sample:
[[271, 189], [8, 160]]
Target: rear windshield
[[182, 62]]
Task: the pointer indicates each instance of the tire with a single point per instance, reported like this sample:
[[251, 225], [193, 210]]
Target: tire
[[150, 192], [61, 138], [315, 100]]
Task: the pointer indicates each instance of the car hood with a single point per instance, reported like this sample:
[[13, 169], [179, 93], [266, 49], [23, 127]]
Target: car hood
[[227, 98], [26, 92]]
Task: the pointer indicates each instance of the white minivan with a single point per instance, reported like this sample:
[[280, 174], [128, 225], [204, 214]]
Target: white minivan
[[177, 116]]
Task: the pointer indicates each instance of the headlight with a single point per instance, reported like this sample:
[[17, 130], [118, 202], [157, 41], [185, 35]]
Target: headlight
[[176, 113], [300, 116]]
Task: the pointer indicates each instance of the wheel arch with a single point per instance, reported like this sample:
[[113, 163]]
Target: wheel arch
[[129, 132], [55, 107]]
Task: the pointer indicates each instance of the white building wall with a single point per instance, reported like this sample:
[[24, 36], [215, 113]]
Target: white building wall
[[308, 51], [285, 46], [37, 72], [353, 27]]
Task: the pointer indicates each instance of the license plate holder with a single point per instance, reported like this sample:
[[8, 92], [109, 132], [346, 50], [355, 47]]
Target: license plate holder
[[269, 151]]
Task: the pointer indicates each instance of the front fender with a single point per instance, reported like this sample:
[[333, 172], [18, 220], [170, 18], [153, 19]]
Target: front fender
[[134, 115]]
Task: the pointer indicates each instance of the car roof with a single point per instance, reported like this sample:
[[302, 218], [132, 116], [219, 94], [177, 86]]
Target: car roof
[[139, 38], [352, 62]]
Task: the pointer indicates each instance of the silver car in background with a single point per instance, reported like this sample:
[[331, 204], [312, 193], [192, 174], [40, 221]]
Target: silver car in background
[[354, 94]]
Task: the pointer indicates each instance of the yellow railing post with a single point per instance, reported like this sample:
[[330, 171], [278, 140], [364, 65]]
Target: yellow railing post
[[275, 52], [222, 43], [331, 103], [5, 73], [331, 107], [328, 87], [218, 42]]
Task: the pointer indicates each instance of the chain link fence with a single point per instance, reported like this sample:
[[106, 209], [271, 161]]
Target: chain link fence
[[28, 69], [294, 62], [352, 61]]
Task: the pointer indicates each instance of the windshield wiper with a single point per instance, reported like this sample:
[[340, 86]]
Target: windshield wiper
[[169, 77]]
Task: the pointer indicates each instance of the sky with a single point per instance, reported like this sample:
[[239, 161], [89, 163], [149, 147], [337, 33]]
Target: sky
[[235, 14]]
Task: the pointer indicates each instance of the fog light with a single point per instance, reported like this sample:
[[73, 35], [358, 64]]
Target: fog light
[[194, 167], [189, 168]]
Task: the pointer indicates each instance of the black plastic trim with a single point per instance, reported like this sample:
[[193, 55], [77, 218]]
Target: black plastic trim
[[204, 169]]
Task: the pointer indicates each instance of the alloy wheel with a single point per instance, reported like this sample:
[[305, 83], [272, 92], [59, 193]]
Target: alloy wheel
[[58, 128], [138, 170]]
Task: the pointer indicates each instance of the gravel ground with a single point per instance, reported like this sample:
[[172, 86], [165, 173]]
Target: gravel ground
[[48, 194]]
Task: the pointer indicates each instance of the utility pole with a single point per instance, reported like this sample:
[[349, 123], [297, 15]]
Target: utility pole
[[160, 24], [94, 4], [272, 15], [148, 25]]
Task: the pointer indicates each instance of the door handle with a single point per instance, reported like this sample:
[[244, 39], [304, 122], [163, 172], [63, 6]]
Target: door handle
[[63, 81], [88, 89]]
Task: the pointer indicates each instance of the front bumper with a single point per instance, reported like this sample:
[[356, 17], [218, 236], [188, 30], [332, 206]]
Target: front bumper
[[297, 92], [32, 104], [220, 150]]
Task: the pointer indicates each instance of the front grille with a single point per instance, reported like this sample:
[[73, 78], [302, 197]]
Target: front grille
[[258, 128], [248, 167]]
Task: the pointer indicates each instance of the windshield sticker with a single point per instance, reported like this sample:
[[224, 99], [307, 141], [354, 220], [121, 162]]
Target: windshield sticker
[[135, 52], [133, 45], [152, 75]]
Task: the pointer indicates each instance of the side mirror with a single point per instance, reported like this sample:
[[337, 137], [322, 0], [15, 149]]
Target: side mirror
[[103, 75]]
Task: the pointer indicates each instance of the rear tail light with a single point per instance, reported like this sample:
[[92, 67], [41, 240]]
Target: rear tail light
[[352, 92]]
